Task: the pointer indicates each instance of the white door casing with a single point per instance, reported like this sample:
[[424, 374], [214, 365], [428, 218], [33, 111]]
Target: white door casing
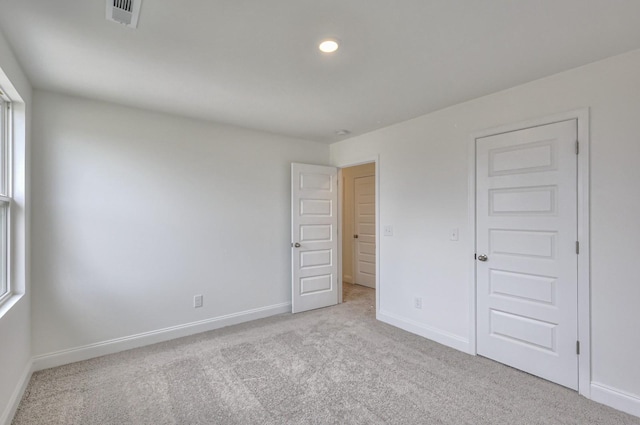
[[365, 229], [526, 225], [314, 238]]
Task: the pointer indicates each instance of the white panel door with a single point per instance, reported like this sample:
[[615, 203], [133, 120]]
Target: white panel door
[[527, 286], [314, 241], [365, 230]]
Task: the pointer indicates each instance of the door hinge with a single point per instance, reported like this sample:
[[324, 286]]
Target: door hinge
[[578, 347], [577, 247], [577, 147]]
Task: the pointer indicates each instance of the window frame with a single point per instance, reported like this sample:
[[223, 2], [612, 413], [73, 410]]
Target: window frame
[[6, 138]]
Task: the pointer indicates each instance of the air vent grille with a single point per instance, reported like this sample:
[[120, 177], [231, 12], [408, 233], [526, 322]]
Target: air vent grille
[[126, 5], [124, 12]]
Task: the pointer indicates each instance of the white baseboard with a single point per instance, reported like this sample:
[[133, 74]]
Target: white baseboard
[[434, 334], [16, 397], [59, 358], [617, 399]]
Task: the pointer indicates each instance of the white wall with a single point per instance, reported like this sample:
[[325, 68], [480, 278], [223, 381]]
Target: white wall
[[137, 212], [423, 190], [349, 175], [15, 314]]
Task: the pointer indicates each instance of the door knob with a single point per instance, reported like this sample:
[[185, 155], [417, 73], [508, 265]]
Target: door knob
[[297, 245], [482, 257], [355, 236]]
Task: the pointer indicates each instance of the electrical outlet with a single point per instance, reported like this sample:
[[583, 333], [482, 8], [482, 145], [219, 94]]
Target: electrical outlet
[[388, 230], [197, 301], [417, 303]]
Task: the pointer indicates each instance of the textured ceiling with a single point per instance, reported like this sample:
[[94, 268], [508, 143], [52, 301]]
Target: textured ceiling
[[255, 63]]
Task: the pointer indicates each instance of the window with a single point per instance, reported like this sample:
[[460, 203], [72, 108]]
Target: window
[[5, 194]]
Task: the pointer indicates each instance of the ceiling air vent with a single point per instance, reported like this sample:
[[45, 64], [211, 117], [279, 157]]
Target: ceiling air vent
[[125, 12]]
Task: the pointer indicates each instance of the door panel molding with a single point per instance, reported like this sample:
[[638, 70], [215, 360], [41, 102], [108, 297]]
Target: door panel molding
[[584, 311], [314, 236], [365, 246]]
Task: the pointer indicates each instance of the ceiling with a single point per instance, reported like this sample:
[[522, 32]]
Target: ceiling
[[255, 63]]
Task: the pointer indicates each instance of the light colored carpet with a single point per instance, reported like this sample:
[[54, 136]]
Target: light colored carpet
[[332, 366]]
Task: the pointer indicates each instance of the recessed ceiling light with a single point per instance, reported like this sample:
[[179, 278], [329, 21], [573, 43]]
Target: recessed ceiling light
[[328, 46]]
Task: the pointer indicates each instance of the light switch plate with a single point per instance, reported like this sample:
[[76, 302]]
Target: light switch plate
[[453, 235]]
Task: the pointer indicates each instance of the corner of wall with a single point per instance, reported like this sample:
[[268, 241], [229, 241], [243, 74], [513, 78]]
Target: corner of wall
[[14, 401]]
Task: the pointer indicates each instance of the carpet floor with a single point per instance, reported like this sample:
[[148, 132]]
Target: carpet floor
[[336, 365]]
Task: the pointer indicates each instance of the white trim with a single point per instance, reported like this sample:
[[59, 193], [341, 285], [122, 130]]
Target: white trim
[[617, 399], [59, 358], [341, 278], [8, 301], [6, 191], [16, 396], [434, 334], [584, 297], [471, 191], [584, 258], [360, 161]]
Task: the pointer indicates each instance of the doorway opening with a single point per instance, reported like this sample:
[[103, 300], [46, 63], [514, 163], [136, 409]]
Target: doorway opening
[[359, 235], [318, 230]]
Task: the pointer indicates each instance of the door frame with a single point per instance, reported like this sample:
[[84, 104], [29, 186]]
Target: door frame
[[352, 163], [584, 289]]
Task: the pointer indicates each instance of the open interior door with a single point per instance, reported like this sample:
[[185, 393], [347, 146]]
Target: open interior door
[[314, 236]]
